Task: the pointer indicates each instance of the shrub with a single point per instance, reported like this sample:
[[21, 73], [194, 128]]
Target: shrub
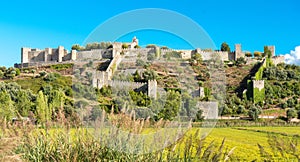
[[248, 54], [257, 54], [43, 73], [124, 45]]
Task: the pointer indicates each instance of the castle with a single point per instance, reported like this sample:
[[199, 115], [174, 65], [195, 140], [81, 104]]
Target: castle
[[33, 57], [128, 53]]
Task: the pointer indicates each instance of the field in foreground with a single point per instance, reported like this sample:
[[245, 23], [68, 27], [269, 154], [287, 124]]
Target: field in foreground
[[72, 144], [246, 139]]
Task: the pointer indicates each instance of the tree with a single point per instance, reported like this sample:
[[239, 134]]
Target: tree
[[32, 71], [76, 47], [164, 47], [42, 112], [56, 101], [241, 109], [124, 45], [199, 115], [196, 59], [257, 54], [291, 113], [254, 112], [149, 75], [140, 62], [18, 72], [23, 103], [225, 47], [137, 77], [248, 54], [240, 61], [6, 106], [171, 107]]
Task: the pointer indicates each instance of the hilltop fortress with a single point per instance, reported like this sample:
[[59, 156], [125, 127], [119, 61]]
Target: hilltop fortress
[[129, 53], [34, 57]]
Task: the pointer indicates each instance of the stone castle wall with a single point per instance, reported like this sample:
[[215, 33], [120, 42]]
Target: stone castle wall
[[260, 84], [29, 55], [277, 60]]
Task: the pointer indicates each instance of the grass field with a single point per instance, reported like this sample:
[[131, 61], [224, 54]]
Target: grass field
[[244, 140]]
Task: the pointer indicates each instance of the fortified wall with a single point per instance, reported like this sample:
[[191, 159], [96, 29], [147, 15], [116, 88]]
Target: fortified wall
[[277, 60]]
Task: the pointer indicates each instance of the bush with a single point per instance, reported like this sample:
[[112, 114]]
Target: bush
[[248, 54], [254, 112], [43, 73], [124, 45], [140, 62], [257, 54], [291, 113]]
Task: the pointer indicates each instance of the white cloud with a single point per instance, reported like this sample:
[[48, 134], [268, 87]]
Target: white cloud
[[293, 57]]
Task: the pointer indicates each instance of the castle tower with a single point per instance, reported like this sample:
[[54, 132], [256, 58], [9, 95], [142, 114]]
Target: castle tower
[[134, 42], [73, 55], [238, 51], [60, 53], [48, 51], [272, 49], [152, 88], [258, 91], [201, 92], [25, 55]]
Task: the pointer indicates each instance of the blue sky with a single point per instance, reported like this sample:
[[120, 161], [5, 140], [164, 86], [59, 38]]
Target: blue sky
[[254, 23]]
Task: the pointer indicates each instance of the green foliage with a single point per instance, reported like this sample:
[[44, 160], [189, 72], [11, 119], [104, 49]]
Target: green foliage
[[283, 72], [42, 111], [9, 73], [240, 61], [56, 100], [84, 91], [199, 115], [140, 99], [62, 66], [124, 45], [149, 75], [282, 149], [257, 54], [164, 47], [248, 54], [95, 113], [171, 107], [24, 102], [105, 91], [43, 73], [258, 95], [254, 112], [151, 56], [51, 77], [137, 46], [77, 47], [196, 59], [173, 54], [95, 45], [259, 73], [291, 113], [225, 47], [82, 146], [151, 46], [7, 110], [140, 62]]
